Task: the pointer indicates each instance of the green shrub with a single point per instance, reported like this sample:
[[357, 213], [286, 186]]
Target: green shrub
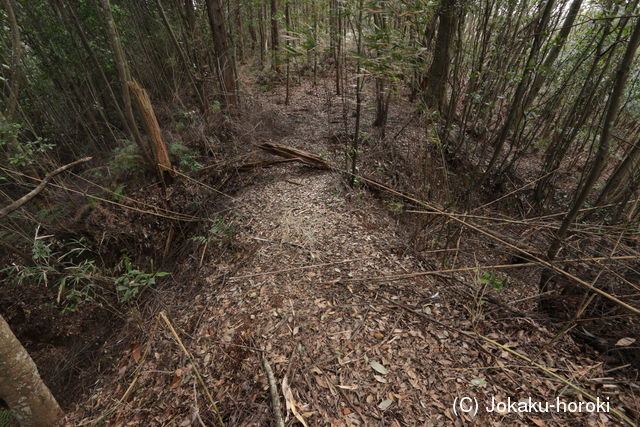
[[184, 156], [67, 265], [219, 230], [21, 153], [127, 161], [132, 280]]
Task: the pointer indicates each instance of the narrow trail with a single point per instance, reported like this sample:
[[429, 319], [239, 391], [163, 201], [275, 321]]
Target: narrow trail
[[352, 353]]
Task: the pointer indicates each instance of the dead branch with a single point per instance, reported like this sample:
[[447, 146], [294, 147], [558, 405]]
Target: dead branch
[[196, 371], [523, 252], [33, 193], [273, 390], [295, 154]]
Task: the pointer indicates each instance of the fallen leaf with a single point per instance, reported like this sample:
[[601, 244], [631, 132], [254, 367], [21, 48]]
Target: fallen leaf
[[290, 401], [623, 342], [135, 350], [385, 404], [380, 379], [379, 368]]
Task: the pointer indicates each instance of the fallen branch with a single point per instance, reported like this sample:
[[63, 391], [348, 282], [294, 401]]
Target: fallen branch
[[196, 371], [502, 241], [295, 154], [33, 193], [560, 378], [273, 390], [402, 276]]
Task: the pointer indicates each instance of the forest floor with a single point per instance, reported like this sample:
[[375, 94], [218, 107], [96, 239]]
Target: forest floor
[[288, 287]]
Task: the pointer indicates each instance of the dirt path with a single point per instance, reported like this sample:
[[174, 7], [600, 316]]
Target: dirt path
[[352, 352]]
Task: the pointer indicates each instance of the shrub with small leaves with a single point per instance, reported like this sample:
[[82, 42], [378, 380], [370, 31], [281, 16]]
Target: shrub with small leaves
[[132, 281]]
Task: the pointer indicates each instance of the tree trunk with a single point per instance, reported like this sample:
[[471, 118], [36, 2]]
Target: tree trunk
[[615, 100], [620, 176], [124, 77], [359, 82], [21, 387], [274, 35], [584, 103], [87, 47], [435, 82], [550, 59], [515, 112], [16, 49], [188, 66], [224, 61]]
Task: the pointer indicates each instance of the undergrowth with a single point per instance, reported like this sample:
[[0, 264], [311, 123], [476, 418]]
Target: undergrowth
[[78, 274]]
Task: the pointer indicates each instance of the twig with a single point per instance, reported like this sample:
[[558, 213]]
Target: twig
[[556, 376], [524, 252], [402, 276], [178, 216], [195, 366], [33, 193], [273, 390]]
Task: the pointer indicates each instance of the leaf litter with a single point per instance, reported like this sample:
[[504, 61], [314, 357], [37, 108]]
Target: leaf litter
[[345, 354]]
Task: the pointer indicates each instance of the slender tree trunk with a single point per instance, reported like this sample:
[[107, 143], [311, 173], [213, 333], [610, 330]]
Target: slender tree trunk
[[274, 36], [516, 109], [189, 9], [96, 63], [240, 33], [21, 387], [550, 59], [582, 107], [620, 176], [16, 50], [188, 67], [356, 137], [335, 38], [263, 35], [287, 42], [123, 75], [615, 100], [435, 82], [252, 30], [224, 61]]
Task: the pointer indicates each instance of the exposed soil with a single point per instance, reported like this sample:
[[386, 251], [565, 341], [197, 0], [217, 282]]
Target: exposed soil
[[294, 284]]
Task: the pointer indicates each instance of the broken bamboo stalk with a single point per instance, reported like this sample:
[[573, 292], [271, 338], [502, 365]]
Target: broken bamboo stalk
[[288, 152], [158, 147]]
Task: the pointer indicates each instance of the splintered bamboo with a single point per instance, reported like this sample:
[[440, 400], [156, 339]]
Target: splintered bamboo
[[160, 154]]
